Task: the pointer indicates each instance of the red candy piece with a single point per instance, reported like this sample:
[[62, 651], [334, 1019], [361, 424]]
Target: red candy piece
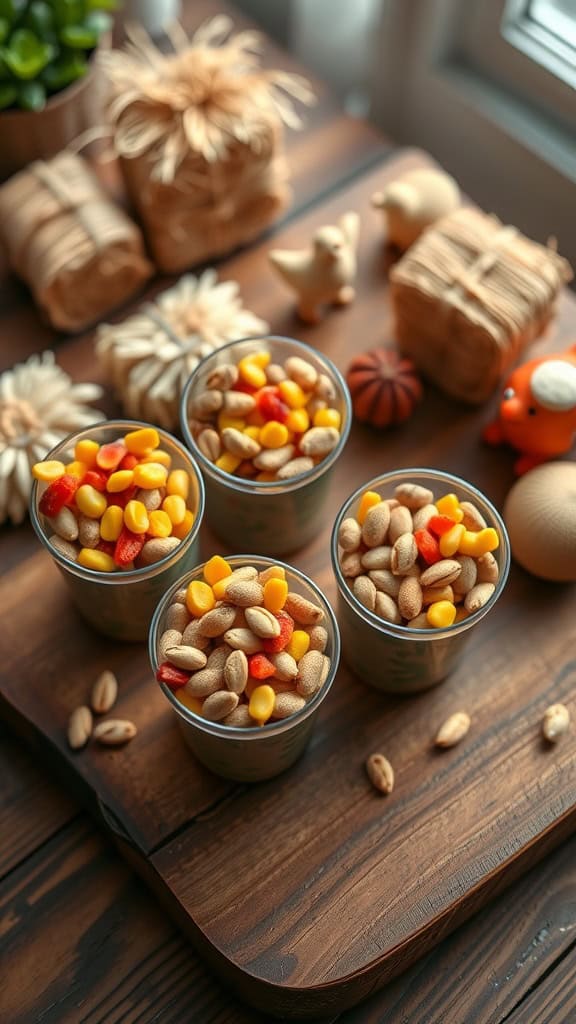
[[107, 546], [59, 493], [247, 389], [96, 478], [427, 546], [259, 667], [122, 498], [172, 676], [128, 462], [270, 405], [440, 524], [110, 455], [128, 546], [277, 643]]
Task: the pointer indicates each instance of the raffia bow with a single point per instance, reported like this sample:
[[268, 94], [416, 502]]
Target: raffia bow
[[204, 99]]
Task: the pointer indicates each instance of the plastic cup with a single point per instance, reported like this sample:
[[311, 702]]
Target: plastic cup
[[278, 517], [397, 658], [121, 604], [260, 752]]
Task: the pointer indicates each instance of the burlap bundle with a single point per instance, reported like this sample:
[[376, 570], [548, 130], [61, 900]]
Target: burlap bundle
[[80, 254], [468, 296], [199, 135]]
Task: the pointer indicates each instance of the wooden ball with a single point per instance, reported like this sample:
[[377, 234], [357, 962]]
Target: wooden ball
[[540, 515], [385, 387]]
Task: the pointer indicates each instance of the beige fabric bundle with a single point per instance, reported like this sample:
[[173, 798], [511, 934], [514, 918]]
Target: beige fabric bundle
[[469, 296], [80, 254], [199, 135]]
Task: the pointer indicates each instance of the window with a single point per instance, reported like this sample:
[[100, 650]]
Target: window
[[490, 90]]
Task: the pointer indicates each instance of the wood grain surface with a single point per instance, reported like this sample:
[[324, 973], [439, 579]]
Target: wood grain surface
[[117, 960], [309, 891]]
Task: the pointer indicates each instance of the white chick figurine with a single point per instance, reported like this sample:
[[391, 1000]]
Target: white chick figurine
[[323, 273], [414, 201]]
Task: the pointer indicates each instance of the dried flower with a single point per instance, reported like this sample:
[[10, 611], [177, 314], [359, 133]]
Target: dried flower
[[39, 406], [205, 98], [150, 356]]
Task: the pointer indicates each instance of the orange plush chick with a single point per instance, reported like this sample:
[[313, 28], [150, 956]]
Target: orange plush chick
[[538, 410]]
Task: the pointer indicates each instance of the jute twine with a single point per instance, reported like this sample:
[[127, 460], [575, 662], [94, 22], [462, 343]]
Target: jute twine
[[80, 255], [199, 134], [469, 296]]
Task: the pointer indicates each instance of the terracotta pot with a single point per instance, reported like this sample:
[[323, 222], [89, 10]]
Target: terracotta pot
[[36, 135]]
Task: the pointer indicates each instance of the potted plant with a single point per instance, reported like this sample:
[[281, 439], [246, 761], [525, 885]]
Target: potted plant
[[48, 91]]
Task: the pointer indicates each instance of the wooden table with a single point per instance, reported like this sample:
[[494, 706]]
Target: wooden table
[[81, 937]]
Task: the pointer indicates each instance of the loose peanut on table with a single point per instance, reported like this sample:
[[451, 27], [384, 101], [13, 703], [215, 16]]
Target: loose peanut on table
[[251, 650], [416, 561]]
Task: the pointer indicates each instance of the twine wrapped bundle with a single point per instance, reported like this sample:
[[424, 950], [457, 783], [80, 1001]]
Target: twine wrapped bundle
[[469, 296], [199, 134], [149, 357], [80, 254]]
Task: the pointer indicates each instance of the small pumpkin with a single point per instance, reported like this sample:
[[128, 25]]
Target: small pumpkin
[[385, 387]]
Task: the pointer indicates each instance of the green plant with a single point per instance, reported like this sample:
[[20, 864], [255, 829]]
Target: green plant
[[45, 45]]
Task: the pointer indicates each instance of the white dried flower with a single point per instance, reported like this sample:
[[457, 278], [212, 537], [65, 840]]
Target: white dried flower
[[150, 356], [39, 406]]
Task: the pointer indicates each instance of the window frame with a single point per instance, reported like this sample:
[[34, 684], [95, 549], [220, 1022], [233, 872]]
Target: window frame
[[435, 86]]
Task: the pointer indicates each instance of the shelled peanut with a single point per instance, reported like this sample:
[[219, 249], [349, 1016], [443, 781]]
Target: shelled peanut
[[116, 506], [418, 561], [240, 648], [266, 421]]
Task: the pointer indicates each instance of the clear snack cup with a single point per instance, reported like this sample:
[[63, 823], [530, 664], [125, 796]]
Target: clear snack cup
[[398, 658], [275, 517], [259, 752], [121, 604]]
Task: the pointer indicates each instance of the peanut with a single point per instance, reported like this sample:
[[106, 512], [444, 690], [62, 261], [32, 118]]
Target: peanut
[[364, 589], [287, 704], [186, 657], [104, 692], [114, 732], [380, 772], [302, 610], [312, 671], [222, 378], [555, 722], [219, 705], [413, 496], [262, 622], [236, 671], [245, 593], [295, 467], [79, 727], [453, 730], [214, 623], [375, 526]]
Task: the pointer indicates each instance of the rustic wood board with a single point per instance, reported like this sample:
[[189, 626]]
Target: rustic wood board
[[308, 892]]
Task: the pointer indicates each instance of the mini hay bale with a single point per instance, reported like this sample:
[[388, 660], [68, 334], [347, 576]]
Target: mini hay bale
[[80, 254], [469, 296], [150, 355], [199, 134]]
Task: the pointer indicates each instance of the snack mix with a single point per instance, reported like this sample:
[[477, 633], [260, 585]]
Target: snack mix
[[416, 561], [265, 421], [242, 649], [116, 506]]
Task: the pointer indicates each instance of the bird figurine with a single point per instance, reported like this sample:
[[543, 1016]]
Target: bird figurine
[[537, 414], [414, 201], [323, 274]]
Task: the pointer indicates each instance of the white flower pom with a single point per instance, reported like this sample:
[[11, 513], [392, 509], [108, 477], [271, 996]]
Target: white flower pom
[[39, 406]]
